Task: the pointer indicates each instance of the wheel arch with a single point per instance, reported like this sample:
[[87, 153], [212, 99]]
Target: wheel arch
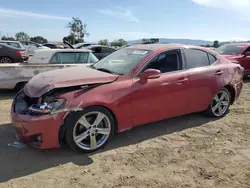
[[62, 130], [232, 92]]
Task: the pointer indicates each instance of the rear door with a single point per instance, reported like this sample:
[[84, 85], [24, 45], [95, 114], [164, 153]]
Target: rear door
[[206, 78]]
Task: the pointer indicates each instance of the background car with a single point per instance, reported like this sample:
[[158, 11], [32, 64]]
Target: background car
[[31, 46], [86, 106], [62, 56], [237, 52], [9, 54], [51, 46], [101, 51], [82, 45], [15, 44]]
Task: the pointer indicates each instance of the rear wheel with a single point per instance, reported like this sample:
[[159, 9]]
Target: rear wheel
[[220, 104], [90, 130], [5, 60]]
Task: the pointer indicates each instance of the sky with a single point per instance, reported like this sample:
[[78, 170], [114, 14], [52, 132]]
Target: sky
[[129, 19]]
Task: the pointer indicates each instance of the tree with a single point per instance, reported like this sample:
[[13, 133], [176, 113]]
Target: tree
[[21, 36], [119, 43], [71, 39], [8, 38], [104, 42], [216, 44], [39, 39], [78, 30]]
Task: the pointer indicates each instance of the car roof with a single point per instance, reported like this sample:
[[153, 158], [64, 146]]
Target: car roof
[[9, 41], [156, 47], [98, 45], [63, 50]]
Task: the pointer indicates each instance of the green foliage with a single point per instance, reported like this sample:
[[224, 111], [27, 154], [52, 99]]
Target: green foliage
[[72, 39], [216, 44], [104, 42], [22, 36], [39, 39], [8, 38], [78, 30], [119, 43]]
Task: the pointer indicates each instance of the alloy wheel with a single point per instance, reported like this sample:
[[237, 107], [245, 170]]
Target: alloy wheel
[[5, 60], [92, 130], [220, 103]]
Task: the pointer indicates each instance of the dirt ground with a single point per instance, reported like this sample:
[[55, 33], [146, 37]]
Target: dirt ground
[[188, 151]]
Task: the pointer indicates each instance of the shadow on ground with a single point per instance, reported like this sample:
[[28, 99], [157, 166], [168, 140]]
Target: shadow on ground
[[17, 162]]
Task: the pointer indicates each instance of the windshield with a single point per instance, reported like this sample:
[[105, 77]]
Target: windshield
[[230, 49], [122, 61]]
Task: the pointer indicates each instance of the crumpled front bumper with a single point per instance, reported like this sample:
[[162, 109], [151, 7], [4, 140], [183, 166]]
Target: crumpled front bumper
[[38, 131]]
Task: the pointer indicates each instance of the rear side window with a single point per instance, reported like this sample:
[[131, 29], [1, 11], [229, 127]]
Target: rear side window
[[13, 44], [70, 58], [196, 58], [212, 59]]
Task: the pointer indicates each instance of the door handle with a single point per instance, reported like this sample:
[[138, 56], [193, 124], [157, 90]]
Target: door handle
[[180, 81], [219, 72]]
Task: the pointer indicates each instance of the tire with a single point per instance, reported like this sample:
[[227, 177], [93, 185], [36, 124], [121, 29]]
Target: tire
[[76, 125], [219, 106], [5, 60]]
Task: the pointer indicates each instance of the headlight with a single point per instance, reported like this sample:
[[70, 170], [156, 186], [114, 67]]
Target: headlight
[[48, 107]]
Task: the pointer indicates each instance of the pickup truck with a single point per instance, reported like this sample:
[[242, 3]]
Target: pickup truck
[[16, 75]]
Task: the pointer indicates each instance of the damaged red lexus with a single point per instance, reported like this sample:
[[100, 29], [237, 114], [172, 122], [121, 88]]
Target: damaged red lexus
[[135, 85]]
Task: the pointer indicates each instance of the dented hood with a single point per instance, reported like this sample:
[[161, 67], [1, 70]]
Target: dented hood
[[66, 77]]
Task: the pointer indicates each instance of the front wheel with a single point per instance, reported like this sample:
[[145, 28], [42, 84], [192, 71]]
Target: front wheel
[[220, 104], [90, 130]]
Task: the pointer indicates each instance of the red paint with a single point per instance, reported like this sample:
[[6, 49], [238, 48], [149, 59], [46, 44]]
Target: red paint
[[134, 101], [242, 58]]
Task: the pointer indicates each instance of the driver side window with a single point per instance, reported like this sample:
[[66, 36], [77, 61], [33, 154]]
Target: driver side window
[[168, 61]]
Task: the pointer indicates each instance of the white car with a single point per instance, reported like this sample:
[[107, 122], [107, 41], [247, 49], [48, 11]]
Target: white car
[[16, 75], [63, 56], [30, 46]]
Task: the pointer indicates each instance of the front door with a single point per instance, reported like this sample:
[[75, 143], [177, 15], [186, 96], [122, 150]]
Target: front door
[[245, 61], [163, 97]]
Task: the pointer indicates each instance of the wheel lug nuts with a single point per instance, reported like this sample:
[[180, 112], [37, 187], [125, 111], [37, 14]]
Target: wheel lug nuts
[[96, 130], [92, 134]]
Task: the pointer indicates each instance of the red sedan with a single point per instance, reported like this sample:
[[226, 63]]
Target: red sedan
[[239, 53], [132, 86]]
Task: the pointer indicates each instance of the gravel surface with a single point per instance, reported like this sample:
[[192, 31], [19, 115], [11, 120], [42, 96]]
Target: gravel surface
[[187, 151]]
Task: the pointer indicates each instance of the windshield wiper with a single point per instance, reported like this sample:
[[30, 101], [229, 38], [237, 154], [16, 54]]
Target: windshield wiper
[[108, 71]]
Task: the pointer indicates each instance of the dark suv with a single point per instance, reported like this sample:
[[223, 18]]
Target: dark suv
[[9, 54]]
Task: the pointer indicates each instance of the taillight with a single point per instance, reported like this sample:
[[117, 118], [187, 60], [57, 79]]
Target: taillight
[[20, 53]]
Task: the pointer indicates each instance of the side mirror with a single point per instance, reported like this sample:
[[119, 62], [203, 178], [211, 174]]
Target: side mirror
[[247, 54], [150, 74]]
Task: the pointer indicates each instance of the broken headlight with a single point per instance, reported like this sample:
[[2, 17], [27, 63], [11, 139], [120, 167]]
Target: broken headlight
[[48, 106]]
